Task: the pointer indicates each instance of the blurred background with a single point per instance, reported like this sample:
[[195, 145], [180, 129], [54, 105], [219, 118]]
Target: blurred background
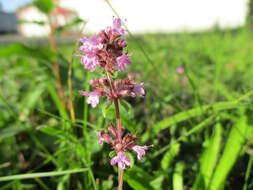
[[196, 60]]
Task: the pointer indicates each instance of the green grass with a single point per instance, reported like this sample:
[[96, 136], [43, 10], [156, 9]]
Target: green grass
[[201, 131]]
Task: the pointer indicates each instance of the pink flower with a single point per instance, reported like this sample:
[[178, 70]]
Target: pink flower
[[180, 70], [139, 89], [91, 44], [122, 61], [100, 138], [141, 151], [117, 27], [121, 159], [89, 62], [103, 137], [93, 97], [90, 47]]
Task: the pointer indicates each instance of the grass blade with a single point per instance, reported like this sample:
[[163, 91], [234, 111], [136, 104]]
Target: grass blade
[[178, 183], [42, 174], [209, 159], [58, 103], [231, 152], [182, 116], [248, 172]]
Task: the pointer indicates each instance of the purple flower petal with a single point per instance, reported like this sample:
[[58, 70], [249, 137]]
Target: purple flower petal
[[93, 97], [101, 139], [121, 159], [90, 47], [89, 62], [117, 27], [141, 151], [139, 89], [114, 160], [122, 61]]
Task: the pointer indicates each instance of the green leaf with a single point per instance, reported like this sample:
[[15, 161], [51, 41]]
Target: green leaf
[[112, 154], [107, 111], [57, 102], [138, 179], [178, 183], [125, 105], [22, 50], [157, 182], [31, 99], [237, 136], [131, 157], [42, 174], [52, 131], [170, 155], [44, 6], [182, 116], [247, 175], [11, 131], [209, 159]]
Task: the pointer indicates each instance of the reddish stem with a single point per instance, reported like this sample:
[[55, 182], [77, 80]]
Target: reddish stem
[[56, 68], [116, 104], [117, 118]]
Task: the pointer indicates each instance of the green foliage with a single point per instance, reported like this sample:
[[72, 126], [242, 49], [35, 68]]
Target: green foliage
[[44, 6], [44, 174], [194, 145], [208, 159], [178, 176], [73, 23], [236, 139], [170, 155]]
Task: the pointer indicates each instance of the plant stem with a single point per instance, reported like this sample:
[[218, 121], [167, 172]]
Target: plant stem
[[70, 101], [116, 104], [117, 118], [56, 69], [115, 100], [120, 179]]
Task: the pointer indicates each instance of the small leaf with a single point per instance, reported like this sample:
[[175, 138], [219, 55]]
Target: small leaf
[[107, 111], [130, 156], [157, 182], [44, 6], [112, 154], [125, 105]]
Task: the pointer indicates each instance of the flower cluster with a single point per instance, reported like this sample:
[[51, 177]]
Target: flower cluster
[[127, 144], [106, 51], [122, 88]]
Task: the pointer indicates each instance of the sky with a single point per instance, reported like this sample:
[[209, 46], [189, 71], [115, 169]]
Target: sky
[[12, 5], [157, 16]]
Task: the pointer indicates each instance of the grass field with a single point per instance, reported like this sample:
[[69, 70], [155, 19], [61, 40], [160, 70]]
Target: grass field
[[200, 122]]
